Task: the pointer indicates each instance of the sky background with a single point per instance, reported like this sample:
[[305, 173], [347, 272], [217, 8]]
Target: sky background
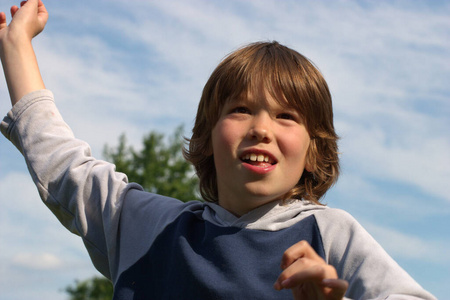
[[135, 66]]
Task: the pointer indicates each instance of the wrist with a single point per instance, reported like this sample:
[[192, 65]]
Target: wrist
[[20, 67], [14, 43]]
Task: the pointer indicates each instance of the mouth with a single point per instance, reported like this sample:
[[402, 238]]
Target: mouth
[[258, 159]]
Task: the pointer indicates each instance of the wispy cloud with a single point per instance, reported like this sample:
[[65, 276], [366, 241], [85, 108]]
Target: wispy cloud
[[408, 246], [36, 261], [121, 66], [35, 250]]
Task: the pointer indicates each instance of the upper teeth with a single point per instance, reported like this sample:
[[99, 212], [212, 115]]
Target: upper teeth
[[256, 157]]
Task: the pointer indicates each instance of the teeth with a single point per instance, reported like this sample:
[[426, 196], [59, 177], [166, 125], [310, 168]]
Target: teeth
[[257, 157]]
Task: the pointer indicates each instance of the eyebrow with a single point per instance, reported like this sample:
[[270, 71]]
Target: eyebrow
[[283, 103]]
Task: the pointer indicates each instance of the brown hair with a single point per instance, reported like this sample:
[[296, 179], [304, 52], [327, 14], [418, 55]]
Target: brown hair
[[291, 79]]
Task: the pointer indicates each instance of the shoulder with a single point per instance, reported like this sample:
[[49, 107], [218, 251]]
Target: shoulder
[[141, 203], [346, 242], [148, 214], [360, 260], [334, 217], [340, 230]]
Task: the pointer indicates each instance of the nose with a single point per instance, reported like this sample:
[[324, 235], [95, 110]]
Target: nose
[[261, 128]]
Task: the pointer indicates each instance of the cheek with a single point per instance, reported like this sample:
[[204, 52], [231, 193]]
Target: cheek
[[224, 138], [295, 146], [220, 147], [223, 149]]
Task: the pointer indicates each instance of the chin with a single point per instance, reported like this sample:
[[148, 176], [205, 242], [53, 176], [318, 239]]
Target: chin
[[263, 198]]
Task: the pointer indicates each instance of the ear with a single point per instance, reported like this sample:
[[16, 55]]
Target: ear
[[309, 167]]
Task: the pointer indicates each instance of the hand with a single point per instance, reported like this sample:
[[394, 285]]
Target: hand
[[308, 275], [28, 21], [16, 51]]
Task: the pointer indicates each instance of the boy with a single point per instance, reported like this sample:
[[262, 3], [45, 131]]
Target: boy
[[265, 151]]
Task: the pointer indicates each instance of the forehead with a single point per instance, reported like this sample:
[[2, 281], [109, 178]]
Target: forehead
[[267, 94], [288, 77]]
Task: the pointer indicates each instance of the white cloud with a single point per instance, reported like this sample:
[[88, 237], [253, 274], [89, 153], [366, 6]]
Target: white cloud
[[408, 246], [413, 158], [19, 186], [36, 252], [133, 66], [94, 94], [37, 261]]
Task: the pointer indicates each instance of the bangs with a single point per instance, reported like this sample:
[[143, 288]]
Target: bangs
[[286, 75]]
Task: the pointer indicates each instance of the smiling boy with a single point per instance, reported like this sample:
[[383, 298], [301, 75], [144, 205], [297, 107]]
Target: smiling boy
[[265, 150], [259, 151]]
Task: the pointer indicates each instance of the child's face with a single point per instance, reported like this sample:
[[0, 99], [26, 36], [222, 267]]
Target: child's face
[[259, 151]]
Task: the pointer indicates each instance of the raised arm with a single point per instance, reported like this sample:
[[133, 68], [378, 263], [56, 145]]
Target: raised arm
[[16, 52], [83, 193]]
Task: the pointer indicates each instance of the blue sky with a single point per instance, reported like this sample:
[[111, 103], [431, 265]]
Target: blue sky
[[134, 66]]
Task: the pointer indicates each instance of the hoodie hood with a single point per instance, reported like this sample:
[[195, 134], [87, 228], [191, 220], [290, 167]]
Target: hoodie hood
[[272, 216]]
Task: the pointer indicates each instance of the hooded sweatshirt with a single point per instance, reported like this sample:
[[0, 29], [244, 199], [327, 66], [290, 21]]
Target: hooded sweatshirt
[[156, 247]]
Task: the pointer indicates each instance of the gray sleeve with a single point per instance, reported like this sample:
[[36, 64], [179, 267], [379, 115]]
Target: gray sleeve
[[359, 259], [85, 194]]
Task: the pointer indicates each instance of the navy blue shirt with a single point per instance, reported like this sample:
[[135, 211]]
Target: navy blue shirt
[[196, 259]]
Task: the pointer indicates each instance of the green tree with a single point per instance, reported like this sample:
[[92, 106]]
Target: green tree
[[159, 167], [95, 288]]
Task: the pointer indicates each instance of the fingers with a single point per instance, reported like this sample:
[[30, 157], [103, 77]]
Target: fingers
[[14, 9], [337, 288], [2, 20], [41, 7], [28, 20], [299, 273], [38, 3], [42, 11], [297, 251], [313, 283], [306, 273]]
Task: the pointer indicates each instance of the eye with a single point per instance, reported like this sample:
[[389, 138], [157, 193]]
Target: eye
[[287, 116], [240, 110]]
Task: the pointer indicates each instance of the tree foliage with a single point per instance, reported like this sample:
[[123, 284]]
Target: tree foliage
[[159, 167], [96, 288]]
